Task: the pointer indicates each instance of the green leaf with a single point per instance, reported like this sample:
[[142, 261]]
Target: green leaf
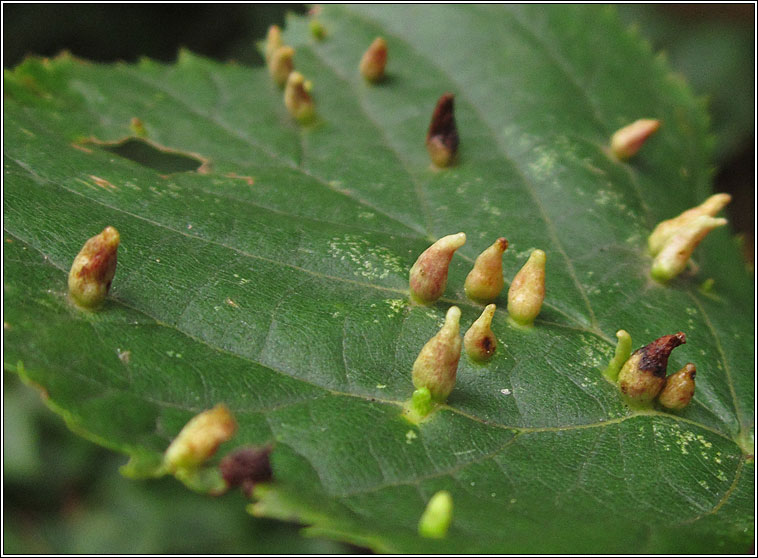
[[274, 279]]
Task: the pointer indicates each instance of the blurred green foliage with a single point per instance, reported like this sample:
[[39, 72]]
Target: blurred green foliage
[[64, 495], [109, 32], [713, 49]]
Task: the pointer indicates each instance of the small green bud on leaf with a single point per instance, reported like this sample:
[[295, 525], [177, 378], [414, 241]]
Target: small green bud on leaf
[[706, 287], [273, 42], [200, 438], [281, 64], [442, 137], [297, 98], [679, 388], [374, 60], [480, 343], [93, 269], [428, 277], [623, 350], [643, 375], [437, 363], [317, 29], [485, 281], [629, 139], [673, 258], [527, 291], [437, 516], [421, 402], [137, 127], [665, 230]]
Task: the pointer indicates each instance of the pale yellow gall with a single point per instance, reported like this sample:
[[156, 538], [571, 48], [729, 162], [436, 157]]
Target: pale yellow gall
[[273, 42], [673, 257], [485, 281], [527, 291], [297, 98], [627, 141], [374, 61], [138, 127], [200, 438], [679, 388], [665, 230], [281, 64]]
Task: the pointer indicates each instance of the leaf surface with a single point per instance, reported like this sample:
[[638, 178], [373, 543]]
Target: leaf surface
[[274, 278]]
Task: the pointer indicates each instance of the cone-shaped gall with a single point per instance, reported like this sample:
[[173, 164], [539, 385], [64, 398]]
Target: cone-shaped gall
[[374, 60], [527, 291], [437, 363], [627, 141], [273, 42], [297, 98], [665, 230], [92, 272], [442, 137], [436, 519], [480, 343], [643, 375], [200, 438], [679, 388], [428, 276], [281, 64], [485, 281], [673, 257]]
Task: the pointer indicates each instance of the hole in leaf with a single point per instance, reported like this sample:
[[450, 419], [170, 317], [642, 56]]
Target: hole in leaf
[[163, 160]]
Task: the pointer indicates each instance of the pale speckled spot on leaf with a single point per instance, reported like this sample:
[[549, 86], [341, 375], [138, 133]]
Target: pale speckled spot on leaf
[[368, 260]]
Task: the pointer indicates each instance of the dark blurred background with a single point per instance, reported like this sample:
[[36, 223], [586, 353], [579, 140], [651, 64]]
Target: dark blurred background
[[63, 494]]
